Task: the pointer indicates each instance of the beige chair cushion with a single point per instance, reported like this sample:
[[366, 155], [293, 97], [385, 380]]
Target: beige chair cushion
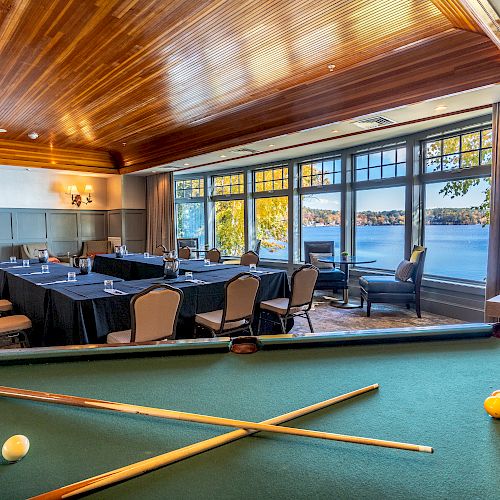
[[122, 337], [5, 305], [314, 258], [184, 253], [279, 306], [30, 250], [213, 320], [93, 247], [14, 323]]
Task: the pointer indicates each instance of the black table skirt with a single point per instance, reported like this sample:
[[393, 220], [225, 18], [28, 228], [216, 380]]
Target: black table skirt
[[87, 314]]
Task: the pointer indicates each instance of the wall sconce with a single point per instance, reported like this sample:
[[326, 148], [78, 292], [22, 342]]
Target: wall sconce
[[76, 197]]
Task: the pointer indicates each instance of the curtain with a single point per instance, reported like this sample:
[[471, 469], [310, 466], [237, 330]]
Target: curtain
[[160, 212], [493, 274]]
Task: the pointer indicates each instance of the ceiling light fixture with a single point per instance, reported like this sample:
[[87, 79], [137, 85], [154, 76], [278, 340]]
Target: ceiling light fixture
[[331, 67], [222, 156], [334, 131], [2, 130], [33, 135], [441, 107], [271, 146], [187, 164]]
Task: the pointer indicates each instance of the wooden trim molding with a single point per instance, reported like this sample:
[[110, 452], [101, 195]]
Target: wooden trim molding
[[458, 14], [448, 63], [24, 154]]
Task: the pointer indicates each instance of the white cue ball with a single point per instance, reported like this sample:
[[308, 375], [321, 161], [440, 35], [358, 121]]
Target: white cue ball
[[15, 448]]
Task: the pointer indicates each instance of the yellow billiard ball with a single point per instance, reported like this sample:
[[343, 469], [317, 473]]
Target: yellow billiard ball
[[492, 405]]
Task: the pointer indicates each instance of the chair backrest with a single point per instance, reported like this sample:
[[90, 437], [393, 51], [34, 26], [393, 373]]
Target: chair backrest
[[184, 253], [303, 283], [317, 247], [239, 298], [418, 258], [213, 255], [256, 248], [192, 243], [248, 258], [30, 250], [154, 313], [93, 247]]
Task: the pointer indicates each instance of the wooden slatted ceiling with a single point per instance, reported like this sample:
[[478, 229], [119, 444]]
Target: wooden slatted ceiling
[[452, 62], [98, 73], [457, 14]]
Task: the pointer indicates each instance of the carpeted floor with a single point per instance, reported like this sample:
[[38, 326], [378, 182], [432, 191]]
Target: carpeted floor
[[326, 318]]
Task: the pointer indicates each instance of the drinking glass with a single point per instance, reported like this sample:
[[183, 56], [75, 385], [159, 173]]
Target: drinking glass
[[146, 255], [26, 263], [206, 262], [108, 284], [45, 269], [189, 275], [71, 276], [252, 267], [13, 259]]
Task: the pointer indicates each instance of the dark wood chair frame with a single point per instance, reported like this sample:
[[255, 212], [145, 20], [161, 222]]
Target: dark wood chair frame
[[405, 298], [289, 315], [145, 292], [247, 319]]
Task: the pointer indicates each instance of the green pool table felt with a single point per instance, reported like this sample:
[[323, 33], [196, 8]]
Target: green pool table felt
[[431, 393]]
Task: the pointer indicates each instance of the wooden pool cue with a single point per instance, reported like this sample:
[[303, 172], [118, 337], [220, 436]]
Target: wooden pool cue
[[150, 464], [203, 419]]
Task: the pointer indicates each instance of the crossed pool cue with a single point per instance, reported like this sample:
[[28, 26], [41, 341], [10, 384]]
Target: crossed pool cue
[[245, 429]]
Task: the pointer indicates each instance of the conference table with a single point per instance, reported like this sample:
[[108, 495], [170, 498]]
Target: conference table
[[82, 312]]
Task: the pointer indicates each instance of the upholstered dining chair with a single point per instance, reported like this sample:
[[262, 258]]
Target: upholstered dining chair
[[15, 327], [30, 251], [91, 248], [248, 258], [154, 313], [240, 294], [213, 255], [5, 306], [299, 303], [184, 253], [192, 243], [403, 287], [329, 278]]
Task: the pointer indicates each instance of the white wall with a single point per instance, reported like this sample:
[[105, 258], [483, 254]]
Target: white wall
[[39, 188]]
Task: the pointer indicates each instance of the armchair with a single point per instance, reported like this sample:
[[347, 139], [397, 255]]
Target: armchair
[[94, 247], [329, 277], [388, 289], [30, 251]]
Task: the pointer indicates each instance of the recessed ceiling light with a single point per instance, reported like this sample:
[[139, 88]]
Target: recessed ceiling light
[[270, 146], [441, 107], [334, 131], [186, 164], [222, 156], [2, 130], [124, 144], [33, 135], [331, 67]]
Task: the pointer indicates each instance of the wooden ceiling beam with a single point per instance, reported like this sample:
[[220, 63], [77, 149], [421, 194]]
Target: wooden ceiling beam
[[23, 154], [452, 62]]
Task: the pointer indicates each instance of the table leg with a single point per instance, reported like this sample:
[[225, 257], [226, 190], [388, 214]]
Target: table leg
[[345, 304]]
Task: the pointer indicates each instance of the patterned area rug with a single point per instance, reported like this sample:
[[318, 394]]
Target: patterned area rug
[[326, 318]]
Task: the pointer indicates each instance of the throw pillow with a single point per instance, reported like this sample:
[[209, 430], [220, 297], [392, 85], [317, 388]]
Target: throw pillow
[[314, 258], [404, 270]]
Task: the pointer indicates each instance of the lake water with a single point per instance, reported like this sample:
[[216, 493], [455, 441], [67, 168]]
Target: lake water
[[453, 251]]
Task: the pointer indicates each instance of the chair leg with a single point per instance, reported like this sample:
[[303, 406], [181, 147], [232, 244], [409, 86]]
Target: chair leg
[[251, 330], [362, 301], [368, 308], [417, 307], [407, 306], [283, 328], [258, 323], [310, 323]]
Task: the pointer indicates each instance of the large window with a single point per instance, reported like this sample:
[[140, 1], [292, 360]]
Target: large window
[[466, 150], [230, 227], [191, 221], [271, 211], [380, 164], [322, 172], [456, 228], [190, 209], [321, 219], [380, 226]]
